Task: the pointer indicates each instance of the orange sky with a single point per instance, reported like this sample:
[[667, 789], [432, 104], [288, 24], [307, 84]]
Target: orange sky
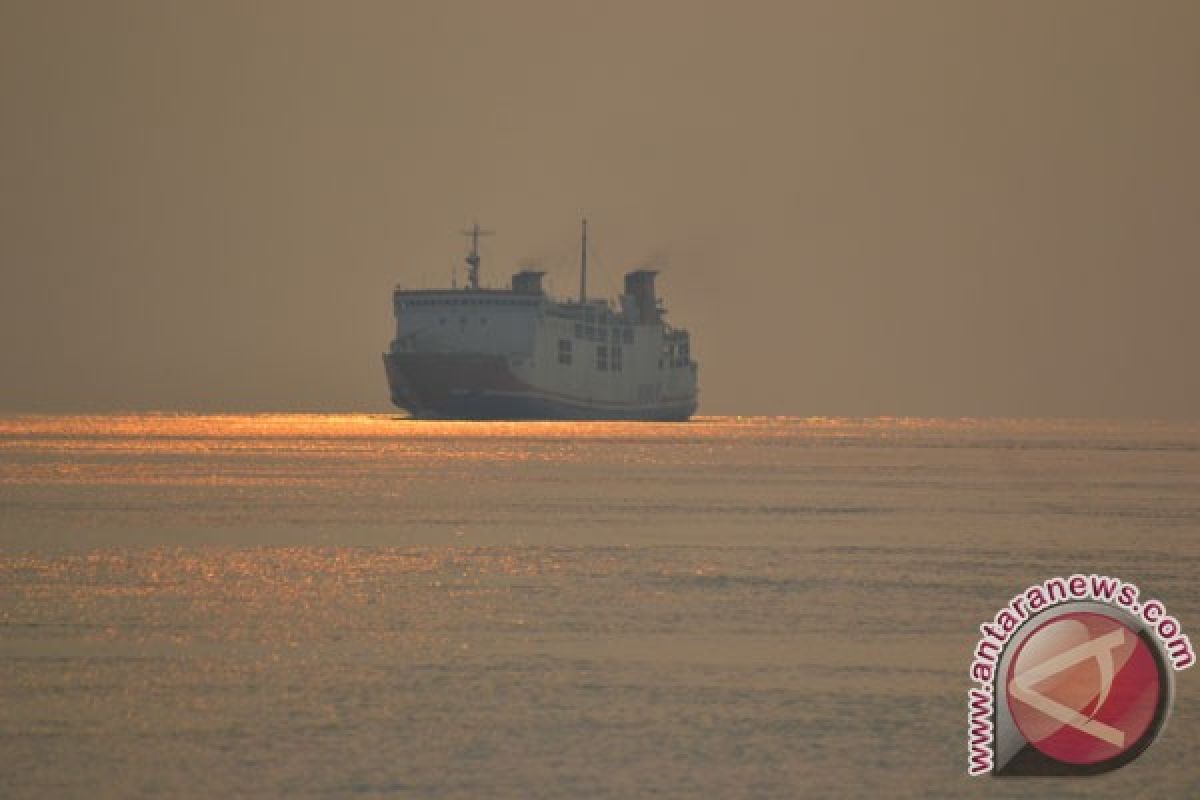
[[927, 208]]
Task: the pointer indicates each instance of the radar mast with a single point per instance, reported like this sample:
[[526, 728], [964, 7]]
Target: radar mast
[[583, 265], [473, 258]]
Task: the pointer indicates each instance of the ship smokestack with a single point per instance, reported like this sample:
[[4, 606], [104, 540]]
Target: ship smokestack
[[639, 285], [527, 281]]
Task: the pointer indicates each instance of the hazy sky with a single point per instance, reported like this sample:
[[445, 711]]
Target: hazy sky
[[949, 208]]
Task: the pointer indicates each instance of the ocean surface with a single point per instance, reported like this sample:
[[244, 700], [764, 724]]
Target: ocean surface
[[365, 606]]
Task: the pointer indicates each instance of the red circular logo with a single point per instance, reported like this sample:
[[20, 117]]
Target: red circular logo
[[1083, 688]]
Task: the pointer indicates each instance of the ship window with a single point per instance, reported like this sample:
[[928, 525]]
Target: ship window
[[616, 358], [564, 351], [601, 358]]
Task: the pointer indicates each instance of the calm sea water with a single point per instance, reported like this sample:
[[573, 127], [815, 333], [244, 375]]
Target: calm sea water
[[304, 605]]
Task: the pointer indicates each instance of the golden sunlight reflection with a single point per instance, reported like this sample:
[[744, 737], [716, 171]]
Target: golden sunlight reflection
[[212, 580], [280, 595], [193, 432], [324, 450]]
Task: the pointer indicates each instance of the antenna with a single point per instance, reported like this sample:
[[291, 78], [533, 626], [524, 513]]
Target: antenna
[[473, 258], [583, 265]]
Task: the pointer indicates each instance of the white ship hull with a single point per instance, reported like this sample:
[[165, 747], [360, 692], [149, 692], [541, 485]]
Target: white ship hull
[[449, 386]]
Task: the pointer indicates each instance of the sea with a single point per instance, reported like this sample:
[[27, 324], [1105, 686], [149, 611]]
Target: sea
[[350, 605]]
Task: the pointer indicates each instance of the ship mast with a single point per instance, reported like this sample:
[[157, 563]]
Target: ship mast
[[473, 258], [583, 265]]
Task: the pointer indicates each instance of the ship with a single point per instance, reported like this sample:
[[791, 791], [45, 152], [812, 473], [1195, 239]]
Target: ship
[[518, 353]]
